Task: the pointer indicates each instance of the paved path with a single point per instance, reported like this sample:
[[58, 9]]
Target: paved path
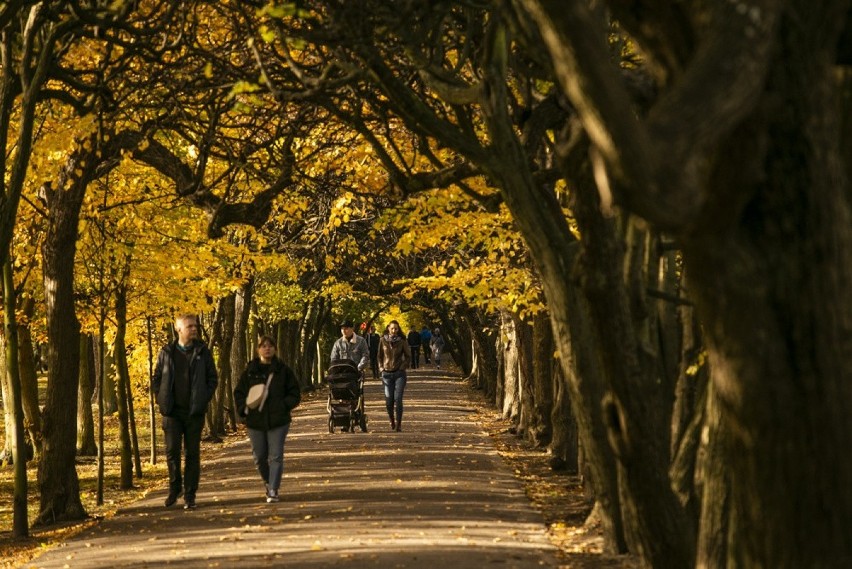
[[434, 496]]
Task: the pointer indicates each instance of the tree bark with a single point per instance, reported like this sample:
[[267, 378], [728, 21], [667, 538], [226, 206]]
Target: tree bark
[[239, 347], [742, 162], [57, 476], [122, 386], [509, 397], [85, 418], [528, 421], [215, 411], [29, 377], [20, 525], [542, 359]]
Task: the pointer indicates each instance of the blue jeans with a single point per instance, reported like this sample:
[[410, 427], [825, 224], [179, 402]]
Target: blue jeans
[[394, 382], [183, 432], [267, 449]]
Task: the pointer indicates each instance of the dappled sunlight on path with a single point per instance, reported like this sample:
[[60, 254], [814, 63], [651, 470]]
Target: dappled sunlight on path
[[435, 494]]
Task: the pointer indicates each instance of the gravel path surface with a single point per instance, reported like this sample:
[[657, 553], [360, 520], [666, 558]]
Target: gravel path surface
[[434, 496]]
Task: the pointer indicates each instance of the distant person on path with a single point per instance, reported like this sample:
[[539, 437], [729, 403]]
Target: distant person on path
[[425, 340], [414, 346], [373, 345], [268, 421], [184, 381], [351, 346], [394, 359], [437, 345]]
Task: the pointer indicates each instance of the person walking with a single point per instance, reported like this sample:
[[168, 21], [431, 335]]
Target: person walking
[[414, 346], [350, 346], [394, 359], [437, 344], [425, 341], [373, 339], [268, 415], [184, 381]]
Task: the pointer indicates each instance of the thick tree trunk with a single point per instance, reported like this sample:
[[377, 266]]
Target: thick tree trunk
[[57, 476], [541, 432], [564, 442], [85, 418], [508, 402], [777, 308], [240, 355], [638, 408], [554, 250], [528, 421], [215, 411], [482, 331]]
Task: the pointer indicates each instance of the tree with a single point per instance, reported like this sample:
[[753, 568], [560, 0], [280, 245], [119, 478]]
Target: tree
[[742, 164]]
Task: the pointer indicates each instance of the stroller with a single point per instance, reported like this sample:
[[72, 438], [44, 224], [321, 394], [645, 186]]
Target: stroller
[[345, 397]]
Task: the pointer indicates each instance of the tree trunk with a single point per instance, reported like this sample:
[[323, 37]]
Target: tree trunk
[[239, 349], [20, 525], [776, 308], [29, 377], [85, 418], [543, 381], [7, 452], [122, 386], [564, 441], [215, 411], [152, 411], [57, 476], [554, 250], [527, 420], [754, 186], [509, 405], [105, 374]]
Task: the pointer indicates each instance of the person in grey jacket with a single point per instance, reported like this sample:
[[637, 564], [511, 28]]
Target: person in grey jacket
[[351, 346], [269, 423], [184, 381]]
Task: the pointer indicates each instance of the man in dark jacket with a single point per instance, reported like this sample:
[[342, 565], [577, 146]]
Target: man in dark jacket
[[184, 382], [414, 344], [373, 344]]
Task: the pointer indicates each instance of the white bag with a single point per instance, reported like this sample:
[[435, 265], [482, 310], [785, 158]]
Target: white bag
[[257, 395]]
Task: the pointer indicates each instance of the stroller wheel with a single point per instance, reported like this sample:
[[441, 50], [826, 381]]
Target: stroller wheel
[[330, 425], [363, 422]]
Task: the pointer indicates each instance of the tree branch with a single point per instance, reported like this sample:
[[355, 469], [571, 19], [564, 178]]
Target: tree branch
[[655, 167]]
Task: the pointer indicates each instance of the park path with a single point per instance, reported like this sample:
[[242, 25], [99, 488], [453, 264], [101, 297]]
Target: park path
[[434, 496]]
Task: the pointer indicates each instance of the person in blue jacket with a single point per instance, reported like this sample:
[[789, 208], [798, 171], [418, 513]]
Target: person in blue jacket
[[425, 341], [268, 421]]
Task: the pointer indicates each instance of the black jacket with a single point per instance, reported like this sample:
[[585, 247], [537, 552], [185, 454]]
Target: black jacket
[[414, 338], [202, 374], [284, 395]]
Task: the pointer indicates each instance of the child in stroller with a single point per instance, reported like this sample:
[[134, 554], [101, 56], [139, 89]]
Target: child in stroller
[[345, 396]]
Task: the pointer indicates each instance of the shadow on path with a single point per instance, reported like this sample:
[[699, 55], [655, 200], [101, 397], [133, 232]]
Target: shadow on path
[[436, 494]]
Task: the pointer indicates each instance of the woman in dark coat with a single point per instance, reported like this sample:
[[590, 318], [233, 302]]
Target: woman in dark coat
[[269, 422]]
